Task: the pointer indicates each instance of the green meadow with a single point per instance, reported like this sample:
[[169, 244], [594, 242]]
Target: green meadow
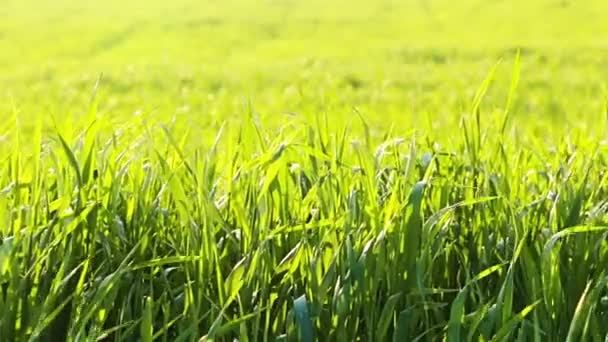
[[282, 170]]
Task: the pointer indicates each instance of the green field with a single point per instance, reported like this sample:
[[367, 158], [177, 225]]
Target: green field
[[283, 170]]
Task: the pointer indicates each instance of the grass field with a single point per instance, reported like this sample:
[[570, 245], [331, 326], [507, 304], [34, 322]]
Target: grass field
[[315, 170]]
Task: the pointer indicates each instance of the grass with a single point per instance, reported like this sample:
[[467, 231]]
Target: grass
[[270, 177]]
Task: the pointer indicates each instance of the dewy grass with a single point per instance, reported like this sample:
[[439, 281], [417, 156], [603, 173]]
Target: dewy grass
[[303, 234]]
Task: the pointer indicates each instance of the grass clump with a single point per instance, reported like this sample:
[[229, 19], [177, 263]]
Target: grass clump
[[297, 171], [304, 234]]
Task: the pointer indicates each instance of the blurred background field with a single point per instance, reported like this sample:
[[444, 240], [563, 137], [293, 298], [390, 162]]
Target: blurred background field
[[406, 63]]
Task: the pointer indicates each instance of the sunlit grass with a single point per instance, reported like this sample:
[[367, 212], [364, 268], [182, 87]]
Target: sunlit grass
[[297, 171], [304, 234]]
